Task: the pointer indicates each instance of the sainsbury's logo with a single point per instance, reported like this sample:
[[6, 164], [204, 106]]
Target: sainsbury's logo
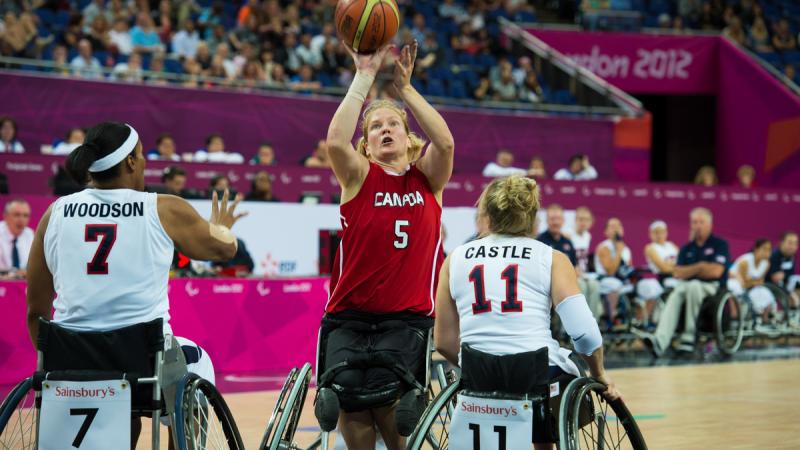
[[65, 392], [489, 410]]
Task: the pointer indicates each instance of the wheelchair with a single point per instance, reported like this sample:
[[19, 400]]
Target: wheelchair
[[137, 357], [585, 419], [283, 421]]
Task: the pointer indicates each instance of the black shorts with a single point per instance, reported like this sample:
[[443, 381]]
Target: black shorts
[[376, 350], [518, 374]]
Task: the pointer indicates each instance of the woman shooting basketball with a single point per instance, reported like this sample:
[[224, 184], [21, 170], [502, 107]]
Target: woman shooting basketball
[[390, 253]]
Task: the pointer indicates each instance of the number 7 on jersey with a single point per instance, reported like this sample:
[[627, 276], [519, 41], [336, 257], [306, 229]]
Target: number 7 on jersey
[[107, 234]]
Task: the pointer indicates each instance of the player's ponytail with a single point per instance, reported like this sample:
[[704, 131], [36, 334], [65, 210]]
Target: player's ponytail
[[511, 204], [101, 141]]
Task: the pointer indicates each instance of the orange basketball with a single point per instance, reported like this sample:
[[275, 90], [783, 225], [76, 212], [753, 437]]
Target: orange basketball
[[366, 25]]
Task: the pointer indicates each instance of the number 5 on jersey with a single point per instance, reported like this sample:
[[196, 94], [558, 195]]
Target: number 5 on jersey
[[108, 235], [402, 236]]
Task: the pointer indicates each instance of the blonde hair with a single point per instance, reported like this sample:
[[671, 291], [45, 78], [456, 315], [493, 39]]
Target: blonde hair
[[413, 152], [511, 204], [698, 179]]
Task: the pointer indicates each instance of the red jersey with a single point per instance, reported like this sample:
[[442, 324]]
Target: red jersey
[[391, 249]]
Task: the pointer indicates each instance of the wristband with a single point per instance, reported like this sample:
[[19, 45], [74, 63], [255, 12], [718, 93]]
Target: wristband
[[359, 88]]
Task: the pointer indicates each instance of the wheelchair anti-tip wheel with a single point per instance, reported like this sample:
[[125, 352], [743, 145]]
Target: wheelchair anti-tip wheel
[[18, 418], [203, 419], [285, 417], [588, 421]]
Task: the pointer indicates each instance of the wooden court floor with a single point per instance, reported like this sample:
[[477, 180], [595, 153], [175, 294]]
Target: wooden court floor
[[747, 405]]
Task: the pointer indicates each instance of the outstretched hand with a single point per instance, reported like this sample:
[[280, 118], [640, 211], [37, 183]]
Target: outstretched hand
[[223, 215], [404, 66], [369, 63]]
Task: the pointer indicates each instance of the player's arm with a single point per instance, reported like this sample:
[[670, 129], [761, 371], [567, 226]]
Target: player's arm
[[349, 166], [437, 163], [663, 266], [40, 292], [195, 237], [610, 263], [446, 329], [578, 321]]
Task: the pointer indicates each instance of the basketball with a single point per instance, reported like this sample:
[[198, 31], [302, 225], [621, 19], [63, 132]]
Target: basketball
[[366, 25]]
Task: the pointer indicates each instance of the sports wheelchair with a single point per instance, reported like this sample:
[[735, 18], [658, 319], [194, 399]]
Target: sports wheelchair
[[586, 420], [138, 355], [283, 421]]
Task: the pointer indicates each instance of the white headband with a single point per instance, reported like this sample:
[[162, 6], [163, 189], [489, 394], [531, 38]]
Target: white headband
[[658, 224], [114, 158]]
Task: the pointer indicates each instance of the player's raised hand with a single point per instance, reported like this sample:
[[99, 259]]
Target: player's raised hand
[[369, 63], [222, 213], [404, 65]]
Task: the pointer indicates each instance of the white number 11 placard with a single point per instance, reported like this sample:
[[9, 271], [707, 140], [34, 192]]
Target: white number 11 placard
[[491, 424]]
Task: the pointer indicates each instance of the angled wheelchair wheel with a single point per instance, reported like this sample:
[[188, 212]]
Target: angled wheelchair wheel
[[18, 418], [729, 320], [203, 419], [588, 421], [285, 416], [432, 431]]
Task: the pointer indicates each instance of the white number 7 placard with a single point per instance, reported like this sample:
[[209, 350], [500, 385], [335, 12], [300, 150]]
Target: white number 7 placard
[[89, 415], [491, 424]]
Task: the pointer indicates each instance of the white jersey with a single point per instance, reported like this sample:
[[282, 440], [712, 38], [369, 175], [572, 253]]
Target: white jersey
[[668, 252], [582, 244], [754, 272], [501, 286], [110, 259], [598, 266]]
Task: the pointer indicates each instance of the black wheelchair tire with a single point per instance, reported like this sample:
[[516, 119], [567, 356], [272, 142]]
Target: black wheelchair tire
[[285, 417], [189, 384], [728, 340], [9, 406]]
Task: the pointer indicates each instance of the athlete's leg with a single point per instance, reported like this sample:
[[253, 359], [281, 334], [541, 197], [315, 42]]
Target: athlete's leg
[[358, 430], [384, 418]]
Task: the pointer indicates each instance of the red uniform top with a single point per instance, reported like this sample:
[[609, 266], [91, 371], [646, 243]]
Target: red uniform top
[[391, 249]]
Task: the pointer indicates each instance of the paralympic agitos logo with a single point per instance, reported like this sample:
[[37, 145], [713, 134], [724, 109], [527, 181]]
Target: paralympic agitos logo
[[488, 410]]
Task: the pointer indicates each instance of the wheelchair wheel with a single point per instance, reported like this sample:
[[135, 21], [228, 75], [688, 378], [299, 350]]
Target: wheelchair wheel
[[585, 421], [285, 416], [18, 418], [729, 323], [432, 431], [203, 419]]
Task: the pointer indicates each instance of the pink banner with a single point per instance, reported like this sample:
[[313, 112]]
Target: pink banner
[[246, 326], [642, 63]]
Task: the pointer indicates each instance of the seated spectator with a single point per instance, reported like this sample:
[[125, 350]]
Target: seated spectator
[[304, 80], [144, 35], [99, 33], [73, 140], [746, 174], [782, 38], [186, 41], [17, 34], [165, 149], [554, 237], [706, 176], [579, 169], [747, 276], [8, 136], [614, 264], [450, 9], [95, 9], [245, 34], [130, 71], [701, 270], [265, 155], [218, 184], [502, 166], [240, 265], [215, 152], [222, 54], [503, 87], [120, 37], [174, 180], [531, 91], [735, 32], [759, 37], [582, 242], [790, 73], [60, 63], [536, 169], [660, 255], [261, 188], [85, 65], [16, 238], [156, 73], [319, 158], [782, 271]]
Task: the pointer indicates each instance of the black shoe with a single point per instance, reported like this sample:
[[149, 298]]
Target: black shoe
[[409, 409], [326, 408]]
